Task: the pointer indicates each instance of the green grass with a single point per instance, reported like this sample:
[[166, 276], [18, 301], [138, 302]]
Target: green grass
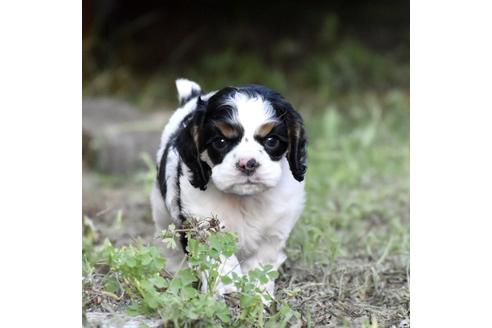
[[357, 181]]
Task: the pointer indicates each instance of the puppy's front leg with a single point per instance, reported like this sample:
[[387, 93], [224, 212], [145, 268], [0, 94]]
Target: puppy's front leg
[[269, 253], [227, 267]]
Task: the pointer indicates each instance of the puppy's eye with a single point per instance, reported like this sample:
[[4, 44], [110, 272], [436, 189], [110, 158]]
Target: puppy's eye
[[220, 144], [271, 142]]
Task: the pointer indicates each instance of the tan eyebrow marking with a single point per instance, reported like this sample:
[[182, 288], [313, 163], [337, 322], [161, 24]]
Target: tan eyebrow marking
[[265, 129], [227, 130]]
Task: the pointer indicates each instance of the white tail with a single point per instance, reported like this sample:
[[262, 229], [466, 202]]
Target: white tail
[[187, 90]]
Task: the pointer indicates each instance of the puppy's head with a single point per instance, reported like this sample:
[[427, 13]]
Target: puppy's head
[[239, 138]]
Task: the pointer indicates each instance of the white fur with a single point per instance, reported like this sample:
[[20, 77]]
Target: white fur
[[186, 88], [261, 209]]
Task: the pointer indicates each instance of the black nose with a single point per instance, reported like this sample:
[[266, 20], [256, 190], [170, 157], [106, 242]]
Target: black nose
[[247, 167]]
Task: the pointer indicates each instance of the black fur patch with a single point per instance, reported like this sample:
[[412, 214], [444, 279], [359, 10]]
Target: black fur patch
[[212, 135], [179, 173], [161, 174], [189, 145], [184, 241], [182, 236], [279, 132]]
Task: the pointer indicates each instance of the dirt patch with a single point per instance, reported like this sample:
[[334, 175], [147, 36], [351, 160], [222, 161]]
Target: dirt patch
[[348, 291], [119, 211]]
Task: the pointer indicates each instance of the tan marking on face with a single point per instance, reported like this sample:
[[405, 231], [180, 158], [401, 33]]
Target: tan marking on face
[[227, 130], [264, 129]]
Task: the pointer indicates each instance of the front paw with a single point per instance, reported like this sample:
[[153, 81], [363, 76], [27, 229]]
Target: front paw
[[268, 296], [223, 289], [227, 268]]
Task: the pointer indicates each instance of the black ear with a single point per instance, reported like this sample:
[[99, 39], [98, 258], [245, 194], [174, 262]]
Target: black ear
[[189, 146], [296, 152]]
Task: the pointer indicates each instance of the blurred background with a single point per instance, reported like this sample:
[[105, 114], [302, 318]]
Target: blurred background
[[135, 50], [344, 65]]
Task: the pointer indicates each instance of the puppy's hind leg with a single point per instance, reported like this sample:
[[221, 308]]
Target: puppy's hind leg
[[162, 219]]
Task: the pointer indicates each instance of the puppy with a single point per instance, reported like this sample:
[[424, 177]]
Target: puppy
[[238, 154]]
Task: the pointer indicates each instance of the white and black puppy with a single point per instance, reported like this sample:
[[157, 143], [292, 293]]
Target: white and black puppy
[[238, 154]]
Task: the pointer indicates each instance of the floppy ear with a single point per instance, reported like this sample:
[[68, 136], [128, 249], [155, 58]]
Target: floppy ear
[[296, 152], [188, 144]]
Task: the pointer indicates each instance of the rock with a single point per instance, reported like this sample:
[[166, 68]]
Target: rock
[[119, 320], [115, 135]]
